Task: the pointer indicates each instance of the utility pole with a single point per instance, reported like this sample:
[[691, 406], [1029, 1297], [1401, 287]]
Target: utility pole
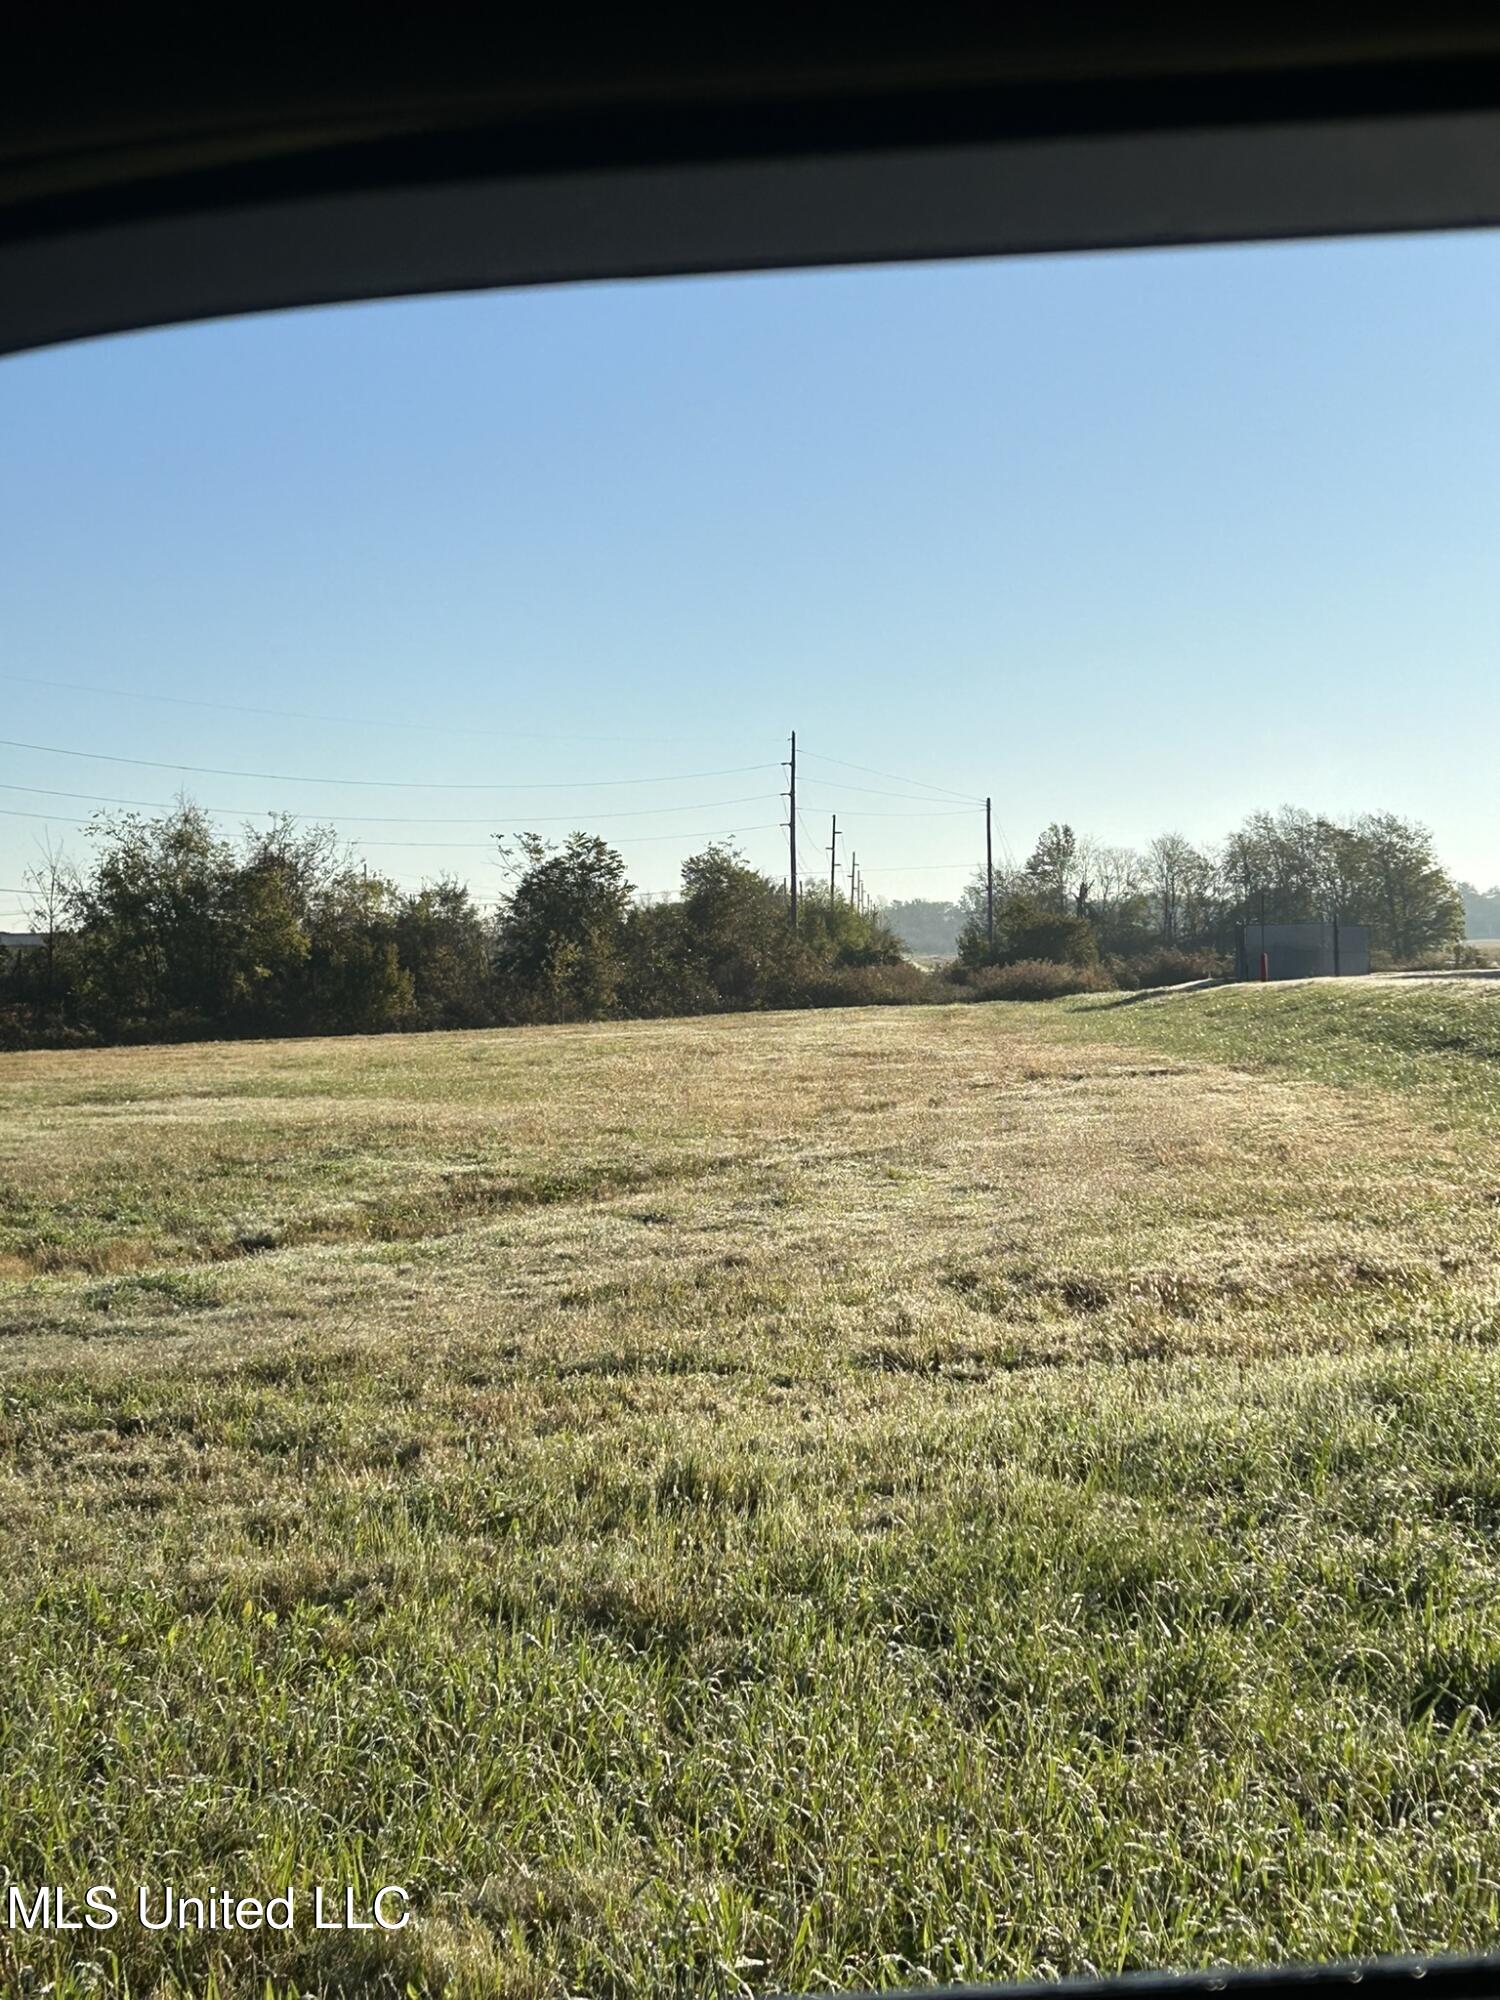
[[833, 862], [854, 879], [1265, 956], [792, 826], [989, 877]]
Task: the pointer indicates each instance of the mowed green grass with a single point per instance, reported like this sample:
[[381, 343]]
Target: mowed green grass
[[769, 1503], [1436, 1039]]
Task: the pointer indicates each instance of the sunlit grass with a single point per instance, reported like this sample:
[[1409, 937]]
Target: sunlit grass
[[1440, 1042], [788, 1502]]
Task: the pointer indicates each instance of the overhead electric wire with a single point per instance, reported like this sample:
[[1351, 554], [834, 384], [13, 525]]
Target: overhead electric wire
[[460, 819], [340, 721], [450, 846], [924, 867], [625, 839], [876, 792], [713, 833], [943, 812], [52, 819], [464, 731], [382, 784], [895, 777], [386, 819], [584, 818]]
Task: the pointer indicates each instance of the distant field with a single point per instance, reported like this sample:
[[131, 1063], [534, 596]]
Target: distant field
[[777, 1502]]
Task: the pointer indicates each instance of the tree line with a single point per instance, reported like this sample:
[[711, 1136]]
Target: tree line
[[174, 930], [1076, 900]]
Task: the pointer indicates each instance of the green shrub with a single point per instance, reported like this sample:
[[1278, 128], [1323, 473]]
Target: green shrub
[[1024, 931], [30, 1027], [1033, 979], [871, 986], [1169, 966], [1464, 957]]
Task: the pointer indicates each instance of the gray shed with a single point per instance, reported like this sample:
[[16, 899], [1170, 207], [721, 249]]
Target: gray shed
[[1302, 951]]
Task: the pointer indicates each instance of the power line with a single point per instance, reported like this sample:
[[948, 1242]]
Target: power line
[[627, 839], [894, 776], [388, 819], [402, 723], [439, 819], [806, 830], [926, 810], [408, 724], [52, 819], [380, 784], [713, 833], [443, 785], [919, 867], [449, 846], [877, 792], [943, 812]]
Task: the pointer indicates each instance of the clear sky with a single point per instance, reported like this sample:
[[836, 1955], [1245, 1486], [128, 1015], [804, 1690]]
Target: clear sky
[[1138, 541]]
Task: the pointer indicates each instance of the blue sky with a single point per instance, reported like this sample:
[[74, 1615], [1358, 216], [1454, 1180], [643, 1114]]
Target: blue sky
[[1138, 541]]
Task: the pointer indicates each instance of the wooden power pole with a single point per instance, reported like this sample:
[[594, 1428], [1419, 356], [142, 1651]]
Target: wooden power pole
[[792, 826], [989, 878], [833, 862]]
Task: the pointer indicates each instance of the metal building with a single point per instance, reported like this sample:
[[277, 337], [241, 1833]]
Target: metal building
[[1302, 951]]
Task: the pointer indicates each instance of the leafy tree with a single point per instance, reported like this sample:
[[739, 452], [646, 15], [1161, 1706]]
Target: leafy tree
[[1481, 910], [1119, 906], [560, 939], [1051, 877], [51, 882], [973, 902], [1380, 870], [1284, 864], [356, 984], [150, 925], [738, 944], [444, 946], [1410, 903], [1024, 930], [1176, 877], [174, 929], [659, 976], [837, 934], [268, 901], [1029, 932]]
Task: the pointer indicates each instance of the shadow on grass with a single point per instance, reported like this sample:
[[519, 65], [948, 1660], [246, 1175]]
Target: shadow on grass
[[1159, 993]]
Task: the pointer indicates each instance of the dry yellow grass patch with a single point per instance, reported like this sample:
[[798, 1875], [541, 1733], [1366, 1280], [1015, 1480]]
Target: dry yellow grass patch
[[883, 1179]]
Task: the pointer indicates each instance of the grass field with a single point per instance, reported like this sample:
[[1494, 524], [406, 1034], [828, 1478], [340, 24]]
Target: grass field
[[766, 1503]]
